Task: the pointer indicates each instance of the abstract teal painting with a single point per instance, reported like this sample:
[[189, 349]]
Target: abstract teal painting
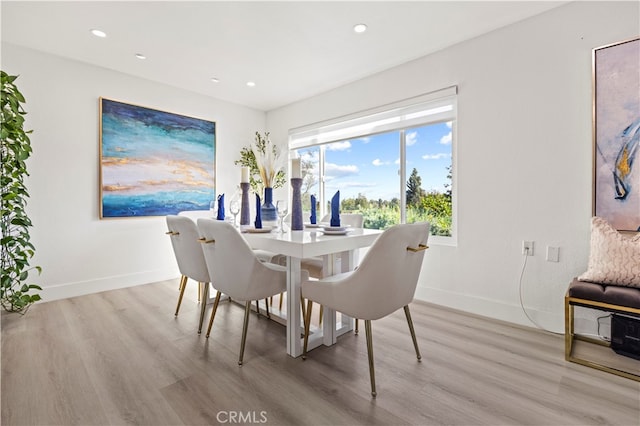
[[616, 81], [154, 163]]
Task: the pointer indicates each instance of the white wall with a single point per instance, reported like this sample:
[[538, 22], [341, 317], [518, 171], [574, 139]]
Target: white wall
[[80, 253], [524, 152]]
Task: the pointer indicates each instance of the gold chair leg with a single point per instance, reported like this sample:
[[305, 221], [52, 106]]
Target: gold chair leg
[[280, 302], [304, 309], [307, 326], [372, 373], [199, 291], [321, 314], [247, 310], [183, 284], [413, 332], [357, 322], [203, 306], [213, 312], [266, 303]]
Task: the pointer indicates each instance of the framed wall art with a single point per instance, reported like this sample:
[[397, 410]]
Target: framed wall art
[[616, 134], [154, 163]]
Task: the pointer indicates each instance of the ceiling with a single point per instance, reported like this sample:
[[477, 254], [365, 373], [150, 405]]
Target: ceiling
[[291, 50]]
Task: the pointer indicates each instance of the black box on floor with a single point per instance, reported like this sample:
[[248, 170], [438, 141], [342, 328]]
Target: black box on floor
[[625, 335]]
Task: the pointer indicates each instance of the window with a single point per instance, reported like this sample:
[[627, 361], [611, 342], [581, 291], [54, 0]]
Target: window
[[428, 165], [393, 165]]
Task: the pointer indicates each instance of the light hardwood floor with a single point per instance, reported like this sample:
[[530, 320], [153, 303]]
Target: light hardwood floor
[[120, 357]]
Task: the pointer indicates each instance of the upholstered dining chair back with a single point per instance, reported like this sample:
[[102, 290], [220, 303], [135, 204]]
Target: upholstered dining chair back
[[385, 282], [314, 264], [355, 220], [187, 248], [386, 279], [238, 271]]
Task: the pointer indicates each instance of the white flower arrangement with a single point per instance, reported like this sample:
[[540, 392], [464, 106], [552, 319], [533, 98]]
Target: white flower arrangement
[[269, 160]]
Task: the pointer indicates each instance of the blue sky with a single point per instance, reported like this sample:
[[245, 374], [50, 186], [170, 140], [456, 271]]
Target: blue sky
[[370, 165]]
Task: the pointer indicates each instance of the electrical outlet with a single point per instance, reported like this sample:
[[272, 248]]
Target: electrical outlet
[[527, 248]]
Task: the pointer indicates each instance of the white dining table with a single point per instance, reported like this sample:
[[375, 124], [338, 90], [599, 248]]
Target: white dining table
[[297, 245]]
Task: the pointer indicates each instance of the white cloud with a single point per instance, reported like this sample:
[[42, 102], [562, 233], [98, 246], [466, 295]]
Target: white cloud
[[357, 185], [436, 156], [311, 155], [332, 170], [446, 139], [397, 161], [339, 146], [411, 138], [377, 162], [449, 124]]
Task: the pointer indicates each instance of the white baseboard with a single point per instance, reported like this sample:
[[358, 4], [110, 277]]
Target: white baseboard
[[549, 321], [81, 288]]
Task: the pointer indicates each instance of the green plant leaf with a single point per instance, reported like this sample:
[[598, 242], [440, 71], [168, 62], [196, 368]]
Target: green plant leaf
[[15, 149]]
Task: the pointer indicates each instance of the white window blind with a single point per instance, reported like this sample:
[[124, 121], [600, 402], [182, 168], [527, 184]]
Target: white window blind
[[428, 108]]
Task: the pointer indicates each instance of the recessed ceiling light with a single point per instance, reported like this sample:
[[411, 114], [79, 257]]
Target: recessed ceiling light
[[215, 80], [359, 28], [140, 56], [251, 84], [98, 33]]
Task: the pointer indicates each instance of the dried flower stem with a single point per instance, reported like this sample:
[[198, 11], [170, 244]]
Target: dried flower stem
[[268, 159]]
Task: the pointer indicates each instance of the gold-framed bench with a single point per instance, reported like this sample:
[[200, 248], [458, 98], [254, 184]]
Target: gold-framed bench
[[610, 298]]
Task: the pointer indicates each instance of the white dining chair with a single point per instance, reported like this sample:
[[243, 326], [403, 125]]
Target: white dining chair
[[238, 271], [263, 255], [314, 264], [188, 252], [385, 282]]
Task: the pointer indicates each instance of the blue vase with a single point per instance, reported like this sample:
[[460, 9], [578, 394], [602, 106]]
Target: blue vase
[[296, 205], [268, 210]]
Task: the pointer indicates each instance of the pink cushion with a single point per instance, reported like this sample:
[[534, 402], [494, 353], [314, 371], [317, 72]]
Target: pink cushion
[[614, 258]]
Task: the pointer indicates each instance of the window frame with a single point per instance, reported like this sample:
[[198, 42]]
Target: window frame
[[423, 110]]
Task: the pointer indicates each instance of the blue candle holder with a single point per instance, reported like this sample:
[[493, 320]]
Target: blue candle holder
[[296, 205], [245, 213]]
